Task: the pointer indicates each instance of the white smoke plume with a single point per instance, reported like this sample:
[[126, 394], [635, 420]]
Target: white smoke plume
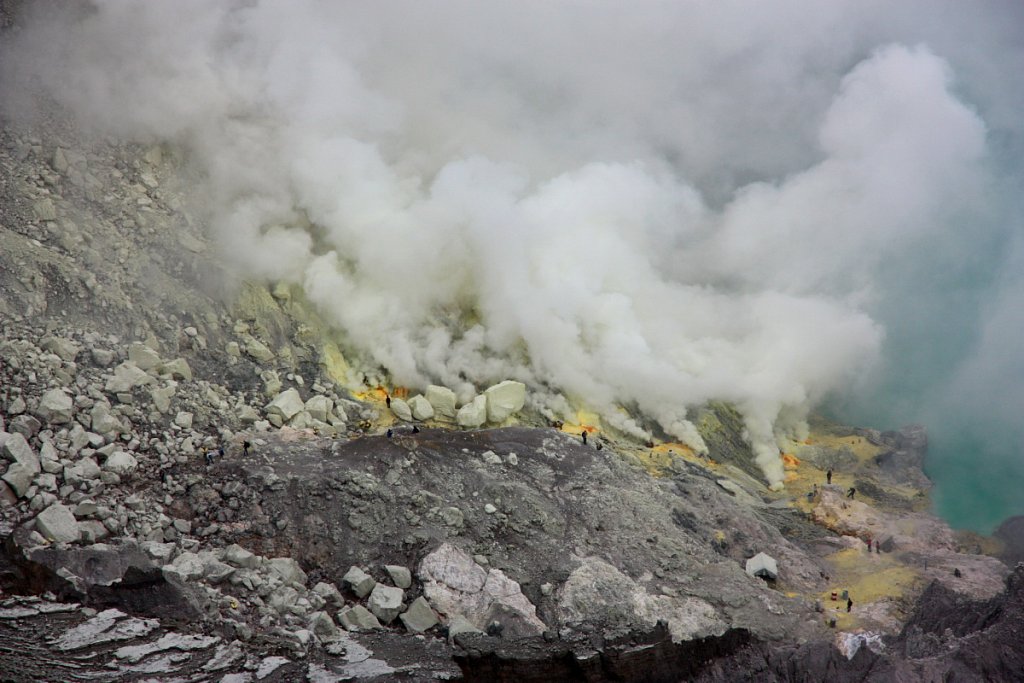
[[648, 205]]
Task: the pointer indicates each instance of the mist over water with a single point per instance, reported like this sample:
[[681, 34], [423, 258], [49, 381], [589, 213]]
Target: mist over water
[[789, 206]]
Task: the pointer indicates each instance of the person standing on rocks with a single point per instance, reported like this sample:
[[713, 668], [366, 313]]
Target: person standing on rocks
[[849, 604], [828, 476], [246, 445], [584, 437], [850, 494]]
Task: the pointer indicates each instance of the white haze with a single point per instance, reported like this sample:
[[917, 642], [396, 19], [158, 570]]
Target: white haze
[[648, 205]]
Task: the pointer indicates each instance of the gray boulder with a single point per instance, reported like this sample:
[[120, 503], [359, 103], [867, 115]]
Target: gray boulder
[[55, 407], [120, 463], [319, 407], [287, 405], [15, 448], [144, 357], [20, 478], [400, 576], [66, 349], [419, 617], [329, 593], [358, 618], [126, 377], [177, 369], [359, 581], [286, 569], [58, 524], [240, 557], [386, 602]]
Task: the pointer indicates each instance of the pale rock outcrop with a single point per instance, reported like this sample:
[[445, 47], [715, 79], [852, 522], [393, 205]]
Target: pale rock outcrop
[[55, 406], [58, 524], [474, 413], [401, 410], [442, 399], [421, 408], [598, 592], [287, 405], [504, 399], [454, 584]]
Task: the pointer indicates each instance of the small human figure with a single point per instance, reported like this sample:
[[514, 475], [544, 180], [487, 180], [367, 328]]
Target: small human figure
[[584, 437], [851, 492], [390, 433], [957, 573], [878, 548], [849, 604], [387, 401], [208, 456], [828, 476], [246, 445]]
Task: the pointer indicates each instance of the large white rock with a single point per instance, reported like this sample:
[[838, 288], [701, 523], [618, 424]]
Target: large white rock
[[421, 408], [287, 569], [504, 399], [474, 413], [58, 524], [454, 584], [55, 406], [144, 357], [319, 407], [126, 377], [442, 399], [120, 463], [401, 409], [287, 404]]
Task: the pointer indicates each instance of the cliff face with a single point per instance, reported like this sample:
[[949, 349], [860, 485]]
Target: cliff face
[[320, 544]]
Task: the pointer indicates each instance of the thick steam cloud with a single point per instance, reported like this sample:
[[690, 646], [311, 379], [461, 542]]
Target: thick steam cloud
[[645, 206]]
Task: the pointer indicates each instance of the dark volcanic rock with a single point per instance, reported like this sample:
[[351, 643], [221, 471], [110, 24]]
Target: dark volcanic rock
[[651, 657], [116, 575]]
